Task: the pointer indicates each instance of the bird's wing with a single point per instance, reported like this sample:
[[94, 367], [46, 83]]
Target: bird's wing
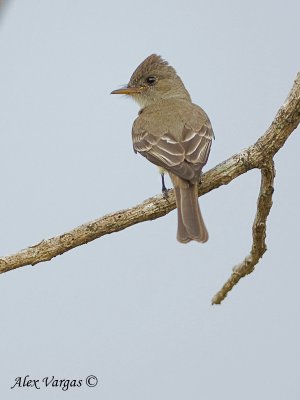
[[184, 158], [197, 143]]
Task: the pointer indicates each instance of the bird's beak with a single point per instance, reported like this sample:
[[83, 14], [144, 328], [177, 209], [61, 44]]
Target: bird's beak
[[128, 90]]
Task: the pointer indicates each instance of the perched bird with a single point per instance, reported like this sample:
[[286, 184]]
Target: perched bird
[[173, 133]]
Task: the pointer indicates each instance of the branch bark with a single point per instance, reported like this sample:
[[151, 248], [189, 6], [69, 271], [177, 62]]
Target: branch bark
[[259, 155]]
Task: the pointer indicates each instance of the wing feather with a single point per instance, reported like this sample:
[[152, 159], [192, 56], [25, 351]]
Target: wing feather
[[184, 158]]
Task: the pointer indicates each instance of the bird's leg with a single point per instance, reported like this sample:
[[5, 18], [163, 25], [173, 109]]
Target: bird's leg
[[163, 186]]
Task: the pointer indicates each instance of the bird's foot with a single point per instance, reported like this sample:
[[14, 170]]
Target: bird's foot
[[165, 192]]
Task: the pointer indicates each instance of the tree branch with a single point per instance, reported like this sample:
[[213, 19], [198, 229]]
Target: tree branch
[[264, 204], [259, 155]]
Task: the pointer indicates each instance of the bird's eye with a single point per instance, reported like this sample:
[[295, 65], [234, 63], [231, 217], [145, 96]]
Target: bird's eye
[[151, 80]]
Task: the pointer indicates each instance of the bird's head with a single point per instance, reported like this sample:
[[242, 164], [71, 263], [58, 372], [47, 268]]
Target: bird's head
[[154, 80]]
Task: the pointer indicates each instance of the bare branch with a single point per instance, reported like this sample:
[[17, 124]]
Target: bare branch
[[264, 204], [258, 155]]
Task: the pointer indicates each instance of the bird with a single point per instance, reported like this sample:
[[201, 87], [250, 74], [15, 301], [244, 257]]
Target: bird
[[173, 133]]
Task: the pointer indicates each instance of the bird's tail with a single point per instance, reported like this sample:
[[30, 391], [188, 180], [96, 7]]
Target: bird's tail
[[190, 222]]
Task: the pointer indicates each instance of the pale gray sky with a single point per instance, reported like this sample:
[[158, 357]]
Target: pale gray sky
[[133, 308]]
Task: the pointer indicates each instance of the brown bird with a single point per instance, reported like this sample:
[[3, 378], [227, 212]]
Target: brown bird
[[174, 134]]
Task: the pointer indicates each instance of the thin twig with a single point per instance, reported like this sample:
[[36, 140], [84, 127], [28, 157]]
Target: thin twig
[[264, 204]]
